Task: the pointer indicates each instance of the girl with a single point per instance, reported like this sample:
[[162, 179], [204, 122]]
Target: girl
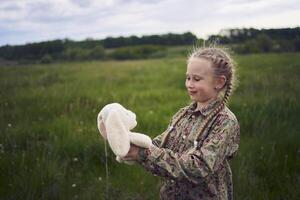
[[192, 154]]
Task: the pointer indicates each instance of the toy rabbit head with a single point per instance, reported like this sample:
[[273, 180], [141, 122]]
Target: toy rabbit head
[[114, 123], [127, 117]]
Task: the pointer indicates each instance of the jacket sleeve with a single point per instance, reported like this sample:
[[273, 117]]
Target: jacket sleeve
[[195, 165]]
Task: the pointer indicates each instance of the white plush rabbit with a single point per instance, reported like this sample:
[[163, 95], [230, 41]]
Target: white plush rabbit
[[114, 124]]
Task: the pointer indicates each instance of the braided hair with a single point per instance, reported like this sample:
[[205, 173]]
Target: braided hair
[[222, 65]]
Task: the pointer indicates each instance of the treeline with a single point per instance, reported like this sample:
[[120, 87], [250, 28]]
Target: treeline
[[256, 41], [132, 47], [152, 46], [165, 40]]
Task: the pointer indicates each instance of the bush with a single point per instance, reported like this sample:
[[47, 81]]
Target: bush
[[46, 59], [97, 53], [137, 52]]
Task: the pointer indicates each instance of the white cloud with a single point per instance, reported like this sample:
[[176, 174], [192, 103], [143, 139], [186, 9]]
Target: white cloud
[[35, 20]]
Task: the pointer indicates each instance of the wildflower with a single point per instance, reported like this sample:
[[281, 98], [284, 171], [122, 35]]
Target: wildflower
[[9, 125], [73, 185], [75, 159], [100, 178]]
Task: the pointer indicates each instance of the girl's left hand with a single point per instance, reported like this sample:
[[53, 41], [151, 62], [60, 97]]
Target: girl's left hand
[[133, 153]]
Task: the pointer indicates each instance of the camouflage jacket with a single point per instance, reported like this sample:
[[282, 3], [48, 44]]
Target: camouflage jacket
[[195, 168]]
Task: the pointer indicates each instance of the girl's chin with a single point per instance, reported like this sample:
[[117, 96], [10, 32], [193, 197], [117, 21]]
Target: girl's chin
[[193, 98]]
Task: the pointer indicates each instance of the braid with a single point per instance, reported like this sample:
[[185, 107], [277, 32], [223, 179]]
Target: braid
[[227, 93], [216, 110]]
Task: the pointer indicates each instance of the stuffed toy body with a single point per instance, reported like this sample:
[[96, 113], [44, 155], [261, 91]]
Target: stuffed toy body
[[114, 124]]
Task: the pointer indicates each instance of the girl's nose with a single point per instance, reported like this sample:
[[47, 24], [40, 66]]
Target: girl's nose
[[189, 84]]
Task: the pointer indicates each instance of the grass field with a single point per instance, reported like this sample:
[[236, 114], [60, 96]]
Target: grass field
[[50, 147]]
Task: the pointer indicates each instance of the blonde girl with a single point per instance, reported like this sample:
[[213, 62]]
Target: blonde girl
[[192, 154]]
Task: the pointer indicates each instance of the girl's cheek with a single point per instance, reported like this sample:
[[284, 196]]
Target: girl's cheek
[[186, 83]]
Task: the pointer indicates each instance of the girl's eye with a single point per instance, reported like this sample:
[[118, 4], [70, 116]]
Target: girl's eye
[[194, 78]]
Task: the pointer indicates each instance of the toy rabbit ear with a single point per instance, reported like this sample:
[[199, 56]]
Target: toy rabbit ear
[[117, 134], [101, 126]]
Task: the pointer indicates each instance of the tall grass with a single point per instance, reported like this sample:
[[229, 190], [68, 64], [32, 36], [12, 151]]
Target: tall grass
[[50, 147]]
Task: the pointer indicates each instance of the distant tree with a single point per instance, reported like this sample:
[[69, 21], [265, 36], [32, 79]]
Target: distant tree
[[97, 52], [297, 44], [250, 46], [246, 40], [76, 54], [46, 59], [265, 43], [165, 39], [137, 52]]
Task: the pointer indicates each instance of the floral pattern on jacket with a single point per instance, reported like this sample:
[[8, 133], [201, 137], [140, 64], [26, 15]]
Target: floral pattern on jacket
[[191, 169]]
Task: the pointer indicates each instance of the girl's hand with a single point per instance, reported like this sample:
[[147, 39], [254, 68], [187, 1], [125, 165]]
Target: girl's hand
[[133, 153]]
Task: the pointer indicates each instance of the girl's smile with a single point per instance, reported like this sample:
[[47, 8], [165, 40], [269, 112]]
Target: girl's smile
[[192, 93]]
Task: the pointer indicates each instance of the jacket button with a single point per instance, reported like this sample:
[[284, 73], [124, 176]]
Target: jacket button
[[195, 143]]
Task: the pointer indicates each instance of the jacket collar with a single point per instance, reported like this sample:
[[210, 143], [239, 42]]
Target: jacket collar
[[205, 111]]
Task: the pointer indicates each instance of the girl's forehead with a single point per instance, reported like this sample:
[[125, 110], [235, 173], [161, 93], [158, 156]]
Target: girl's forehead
[[199, 67], [200, 61]]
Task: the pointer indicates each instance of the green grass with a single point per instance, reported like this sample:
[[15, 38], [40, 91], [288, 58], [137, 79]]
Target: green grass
[[50, 147]]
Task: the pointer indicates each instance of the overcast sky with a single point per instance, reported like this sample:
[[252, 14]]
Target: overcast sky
[[23, 21]]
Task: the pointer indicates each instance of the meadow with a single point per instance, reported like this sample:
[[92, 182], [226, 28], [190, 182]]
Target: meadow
[[50, 147]]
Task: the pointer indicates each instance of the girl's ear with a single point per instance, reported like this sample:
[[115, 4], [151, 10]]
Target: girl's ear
[[220, 82]]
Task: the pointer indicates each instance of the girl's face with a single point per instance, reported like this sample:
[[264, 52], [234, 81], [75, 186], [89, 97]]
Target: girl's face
[[200, 81]]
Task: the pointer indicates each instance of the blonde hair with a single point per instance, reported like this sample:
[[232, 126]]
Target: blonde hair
[[222, 64]]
